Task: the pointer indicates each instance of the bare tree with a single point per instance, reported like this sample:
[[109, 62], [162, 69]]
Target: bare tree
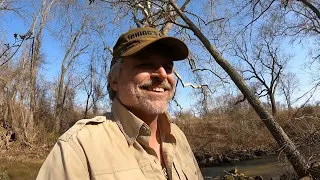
[[36, 29], [15, 91], [288, 86], [80, 30], [265, 66], [14, 6], [94, 86], [71, 54]]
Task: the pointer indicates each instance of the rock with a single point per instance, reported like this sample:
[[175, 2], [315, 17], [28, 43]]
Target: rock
[[216, 178], [203, 162], [236, 159], [306, 178], [288, 176], [242, 177], [259, 153], [229, 177], [235, 174], [315, 164], [234, 171], [227, 159], [315, 170]]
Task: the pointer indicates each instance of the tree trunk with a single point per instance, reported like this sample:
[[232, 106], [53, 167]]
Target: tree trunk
[[273, 104], [59, 101], [297, 161], [87, 106]]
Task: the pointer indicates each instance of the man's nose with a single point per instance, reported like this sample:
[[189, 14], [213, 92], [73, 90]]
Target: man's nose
[[160, 73]]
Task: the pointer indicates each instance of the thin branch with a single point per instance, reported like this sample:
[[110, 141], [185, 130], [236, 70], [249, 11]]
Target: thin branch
[[313, 90], [203, 21], [255, 19], [204, 69], [313, 8], [187, 84], [181, 25], [23, 38]]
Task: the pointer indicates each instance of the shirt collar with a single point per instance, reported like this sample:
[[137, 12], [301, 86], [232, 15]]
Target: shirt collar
[[130, 124]]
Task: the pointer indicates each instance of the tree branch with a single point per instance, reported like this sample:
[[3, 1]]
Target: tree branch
[[187, 84], [313, 8], [204, 69]]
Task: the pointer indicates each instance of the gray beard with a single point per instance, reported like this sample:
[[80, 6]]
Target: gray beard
[[150, 107], [146, 103]]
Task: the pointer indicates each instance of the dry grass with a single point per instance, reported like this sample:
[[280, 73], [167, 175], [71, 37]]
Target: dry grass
[[21, 161], [219, 135], [13, 170], [243, 131]]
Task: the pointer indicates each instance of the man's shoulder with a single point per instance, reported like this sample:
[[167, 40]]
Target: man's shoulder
[[84, 127]]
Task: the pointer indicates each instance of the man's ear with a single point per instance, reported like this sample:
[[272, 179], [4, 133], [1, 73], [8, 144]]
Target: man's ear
[[113, 83]]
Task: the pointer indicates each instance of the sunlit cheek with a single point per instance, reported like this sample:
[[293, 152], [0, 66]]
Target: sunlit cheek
[[171, 80], [140, 77]]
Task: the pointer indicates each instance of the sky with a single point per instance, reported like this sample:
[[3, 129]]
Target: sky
[[53, 53]]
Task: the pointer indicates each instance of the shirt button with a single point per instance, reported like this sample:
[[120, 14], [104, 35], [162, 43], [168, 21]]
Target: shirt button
[[155, 161]]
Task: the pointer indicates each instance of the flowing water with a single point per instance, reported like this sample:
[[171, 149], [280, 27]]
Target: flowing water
[[267, 167]]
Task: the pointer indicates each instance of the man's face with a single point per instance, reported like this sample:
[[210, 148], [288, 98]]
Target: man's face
[[146, 83]]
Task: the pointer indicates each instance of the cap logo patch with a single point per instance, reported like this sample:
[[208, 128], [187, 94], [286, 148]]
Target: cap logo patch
[[143, 33]]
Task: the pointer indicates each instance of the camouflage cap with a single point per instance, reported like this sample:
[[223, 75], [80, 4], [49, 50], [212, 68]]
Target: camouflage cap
[[135, 40]]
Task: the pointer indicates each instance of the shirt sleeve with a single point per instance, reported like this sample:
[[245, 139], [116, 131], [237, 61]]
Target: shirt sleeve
[[63, 163]]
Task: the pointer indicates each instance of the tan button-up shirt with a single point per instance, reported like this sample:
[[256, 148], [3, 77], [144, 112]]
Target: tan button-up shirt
[[116, 147]]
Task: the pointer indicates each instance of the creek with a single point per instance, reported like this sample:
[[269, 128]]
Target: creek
[[265, 166]]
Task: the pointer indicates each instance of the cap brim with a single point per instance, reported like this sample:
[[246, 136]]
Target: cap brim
[[179, 49]]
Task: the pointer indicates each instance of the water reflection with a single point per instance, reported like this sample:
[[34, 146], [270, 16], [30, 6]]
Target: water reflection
[[267, 166]]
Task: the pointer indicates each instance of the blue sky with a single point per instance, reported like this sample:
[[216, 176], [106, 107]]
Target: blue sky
[[53, 54]]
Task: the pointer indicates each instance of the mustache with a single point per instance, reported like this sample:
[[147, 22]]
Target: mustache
[[155, 83]]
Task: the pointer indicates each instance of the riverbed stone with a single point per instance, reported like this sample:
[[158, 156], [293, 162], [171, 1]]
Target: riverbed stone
[[258, 178], [306, 178]]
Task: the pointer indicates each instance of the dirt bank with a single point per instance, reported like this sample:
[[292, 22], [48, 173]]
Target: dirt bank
[[206, 159]]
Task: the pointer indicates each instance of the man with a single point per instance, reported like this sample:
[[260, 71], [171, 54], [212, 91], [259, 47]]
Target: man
[[136, 140]]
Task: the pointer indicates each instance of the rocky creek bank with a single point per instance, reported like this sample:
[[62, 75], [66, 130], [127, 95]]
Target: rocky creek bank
[[207, 159]]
